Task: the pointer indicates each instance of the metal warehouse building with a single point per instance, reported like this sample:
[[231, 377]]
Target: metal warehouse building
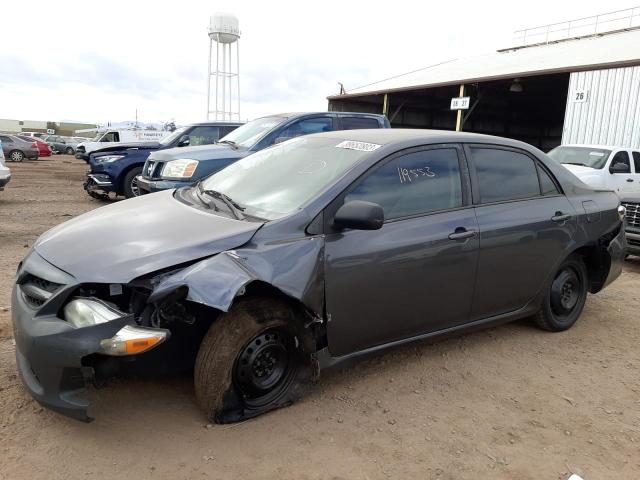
[[576, 89]]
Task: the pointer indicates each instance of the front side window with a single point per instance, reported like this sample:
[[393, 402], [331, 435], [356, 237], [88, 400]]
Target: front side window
[[308, 126], [582, 156], [504, 175], [413, 184], [204, 135], [621, 158]]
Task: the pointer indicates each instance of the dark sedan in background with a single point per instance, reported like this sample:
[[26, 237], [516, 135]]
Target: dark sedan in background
[[308, 253], [16, 149]]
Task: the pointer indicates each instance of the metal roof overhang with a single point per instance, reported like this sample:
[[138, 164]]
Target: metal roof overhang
[[575, 55]]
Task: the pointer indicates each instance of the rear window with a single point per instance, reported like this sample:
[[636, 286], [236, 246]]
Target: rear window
[[355, 123]]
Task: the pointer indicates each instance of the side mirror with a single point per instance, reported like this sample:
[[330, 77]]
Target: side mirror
[[281, 139], [184, 141], [359, 215], [619, 168]]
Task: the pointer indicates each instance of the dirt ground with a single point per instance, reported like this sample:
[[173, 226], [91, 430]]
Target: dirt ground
[[508, 403]]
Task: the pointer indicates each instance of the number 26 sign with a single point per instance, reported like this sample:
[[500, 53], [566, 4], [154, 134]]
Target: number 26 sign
[[580, 96]]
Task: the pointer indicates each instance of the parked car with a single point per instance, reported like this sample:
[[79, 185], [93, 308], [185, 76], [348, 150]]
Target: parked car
[[300, 256], [602, 166], [83, 149], [44, 150], [5, 173], [632, 223], [34, 134], [176, 168], [60, 144], [15, 149], [116, 168]]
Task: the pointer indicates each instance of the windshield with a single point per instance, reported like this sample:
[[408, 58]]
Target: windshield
[[166, 140], [280, 180], [97, 137], [250, 133], [585, 156]]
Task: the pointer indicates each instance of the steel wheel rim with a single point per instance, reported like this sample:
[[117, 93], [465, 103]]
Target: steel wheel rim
[[264, 367], [566, 291]]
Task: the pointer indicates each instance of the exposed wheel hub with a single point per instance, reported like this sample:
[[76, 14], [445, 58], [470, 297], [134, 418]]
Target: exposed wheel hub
[[263, 363]]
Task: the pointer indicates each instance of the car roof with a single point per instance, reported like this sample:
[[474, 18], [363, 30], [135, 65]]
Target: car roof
[[303, 114], [384, 136], [590, 145], [214, 124]]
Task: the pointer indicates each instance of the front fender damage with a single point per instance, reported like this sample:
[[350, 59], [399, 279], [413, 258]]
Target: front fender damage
[[294, 267]]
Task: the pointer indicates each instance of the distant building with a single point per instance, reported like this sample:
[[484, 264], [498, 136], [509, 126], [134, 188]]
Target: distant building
[[59, 128], [582, 88]]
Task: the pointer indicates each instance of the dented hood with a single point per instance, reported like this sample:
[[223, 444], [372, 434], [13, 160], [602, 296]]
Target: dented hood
[[119, 242]]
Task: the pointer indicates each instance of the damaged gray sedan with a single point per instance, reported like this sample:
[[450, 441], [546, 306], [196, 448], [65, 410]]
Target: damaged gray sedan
[[314, 251]]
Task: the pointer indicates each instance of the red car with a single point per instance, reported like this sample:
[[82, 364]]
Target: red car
[[44, 149]]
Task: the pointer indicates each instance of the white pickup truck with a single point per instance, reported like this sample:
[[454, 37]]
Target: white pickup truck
[[113, 137], [602, 166]]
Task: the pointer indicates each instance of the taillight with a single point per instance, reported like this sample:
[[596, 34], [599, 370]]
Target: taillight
[[35, 145]]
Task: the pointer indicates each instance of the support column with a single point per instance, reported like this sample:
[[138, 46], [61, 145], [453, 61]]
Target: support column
[[459, 117], [385, 105]]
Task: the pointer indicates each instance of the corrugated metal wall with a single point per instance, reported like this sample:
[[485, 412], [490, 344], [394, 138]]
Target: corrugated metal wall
[[611, 113]]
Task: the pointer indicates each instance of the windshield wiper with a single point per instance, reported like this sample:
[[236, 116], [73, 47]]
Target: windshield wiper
[[576, 163], [234, 207], [231, 143]]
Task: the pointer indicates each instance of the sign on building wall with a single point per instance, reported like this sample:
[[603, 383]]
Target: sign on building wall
[[580, 96], [460, 103]]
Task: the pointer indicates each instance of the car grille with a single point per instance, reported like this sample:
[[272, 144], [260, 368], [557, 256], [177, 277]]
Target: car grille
[[152, 169], [36, 291], [633, 214]]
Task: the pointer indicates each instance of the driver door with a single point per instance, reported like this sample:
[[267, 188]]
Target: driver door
[[417, 273]]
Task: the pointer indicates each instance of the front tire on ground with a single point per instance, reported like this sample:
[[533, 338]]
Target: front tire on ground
[[130, 184], [566, 296], [253, 359], [69, 151]]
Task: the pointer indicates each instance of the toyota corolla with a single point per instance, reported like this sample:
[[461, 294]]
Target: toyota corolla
[[313, 251]]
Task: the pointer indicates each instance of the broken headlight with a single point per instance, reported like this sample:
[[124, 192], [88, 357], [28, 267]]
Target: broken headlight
[[86, 312]]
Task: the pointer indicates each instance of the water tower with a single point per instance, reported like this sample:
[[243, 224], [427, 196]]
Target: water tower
[[224, 30]]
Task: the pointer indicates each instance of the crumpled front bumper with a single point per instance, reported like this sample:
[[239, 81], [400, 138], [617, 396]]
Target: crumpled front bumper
[[50, 351], [147, 185]]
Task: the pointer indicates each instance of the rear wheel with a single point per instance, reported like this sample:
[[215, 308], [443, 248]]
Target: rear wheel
[[69, 151], [251, 360], [565, 297], [130, 187], [16, 156]]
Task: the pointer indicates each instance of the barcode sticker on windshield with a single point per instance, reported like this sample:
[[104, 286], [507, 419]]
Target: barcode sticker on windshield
[[360, 146]]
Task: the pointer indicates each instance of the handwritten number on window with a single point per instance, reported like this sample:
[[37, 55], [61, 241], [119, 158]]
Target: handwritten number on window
[[408, 175]]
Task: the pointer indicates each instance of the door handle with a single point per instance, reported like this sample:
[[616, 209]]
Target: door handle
[[561, 217], [629, 179], [462, 234]]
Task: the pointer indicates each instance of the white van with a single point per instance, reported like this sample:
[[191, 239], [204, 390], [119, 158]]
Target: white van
[[602, 166], [117, 136]]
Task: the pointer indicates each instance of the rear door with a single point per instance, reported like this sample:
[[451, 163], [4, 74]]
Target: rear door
[[526, 225]]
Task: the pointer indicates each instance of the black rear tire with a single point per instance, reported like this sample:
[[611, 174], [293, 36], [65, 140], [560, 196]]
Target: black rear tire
[[253, 359], [566, 296], [130, 185]]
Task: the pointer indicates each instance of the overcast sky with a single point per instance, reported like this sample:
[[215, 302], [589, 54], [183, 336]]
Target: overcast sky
[[99, 61]]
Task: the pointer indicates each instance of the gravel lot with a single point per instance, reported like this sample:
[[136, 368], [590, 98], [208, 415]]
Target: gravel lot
[[511, 402]]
